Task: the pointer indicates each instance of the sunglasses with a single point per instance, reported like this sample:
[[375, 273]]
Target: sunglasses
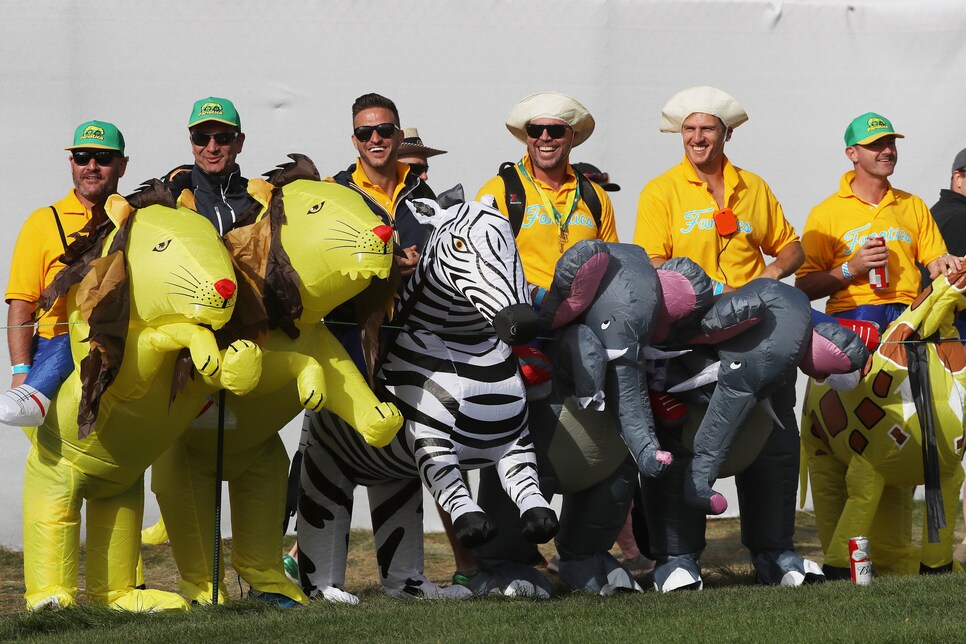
[[554, 130], [102, 158], [385, 130], [221, 138], [418, 168]]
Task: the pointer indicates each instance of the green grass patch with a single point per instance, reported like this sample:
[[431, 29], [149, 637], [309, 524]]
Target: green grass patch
[[914, 609]]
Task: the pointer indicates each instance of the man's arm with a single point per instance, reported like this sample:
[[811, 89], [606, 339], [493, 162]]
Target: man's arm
[[823, 283], [20, 336], [786, 262]]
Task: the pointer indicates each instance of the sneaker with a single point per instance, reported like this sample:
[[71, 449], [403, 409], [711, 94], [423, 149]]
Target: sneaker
[[291, 566], [273, 599]]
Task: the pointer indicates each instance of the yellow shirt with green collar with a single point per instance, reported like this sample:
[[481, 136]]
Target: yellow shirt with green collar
[[36, 259], [389, 202], [841, 224], [675, 218], [539, 236]]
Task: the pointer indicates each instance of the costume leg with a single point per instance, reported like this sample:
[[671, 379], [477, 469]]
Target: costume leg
[[324, 516], [257, 491], [183, 481], [767, 488], [864, 487], [439, 469], [508, 544], [939, 555], [890, 537], [52, 497], [827, 480]]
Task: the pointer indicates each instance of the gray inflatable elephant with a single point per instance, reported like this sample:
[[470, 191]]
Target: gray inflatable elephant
[[607, 299], [762, 334]]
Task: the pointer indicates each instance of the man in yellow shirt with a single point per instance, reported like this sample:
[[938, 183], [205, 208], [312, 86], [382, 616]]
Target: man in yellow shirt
[[41, 362], [726, 219], [868, 225], [557, 210]]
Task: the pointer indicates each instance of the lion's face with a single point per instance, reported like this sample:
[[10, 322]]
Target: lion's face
[[179, 269], [335, 243]]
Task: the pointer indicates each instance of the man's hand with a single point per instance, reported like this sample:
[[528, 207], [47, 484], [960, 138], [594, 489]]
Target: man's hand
[[873, 254], [944, 265], [406, 260]]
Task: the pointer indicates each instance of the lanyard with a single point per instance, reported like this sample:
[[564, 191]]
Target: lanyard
[[561, 221]]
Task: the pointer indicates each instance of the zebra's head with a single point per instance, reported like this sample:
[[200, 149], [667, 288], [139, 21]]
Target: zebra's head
[[472, 253]]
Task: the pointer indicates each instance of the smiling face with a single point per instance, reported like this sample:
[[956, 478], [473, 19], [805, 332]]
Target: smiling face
[[704, 140], [93, 183], [212, 157], [546, 153], [877, 159], [378, 152]]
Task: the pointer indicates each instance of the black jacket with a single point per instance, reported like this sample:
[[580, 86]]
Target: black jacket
[[950, 215], [409, 231], [222, 200]]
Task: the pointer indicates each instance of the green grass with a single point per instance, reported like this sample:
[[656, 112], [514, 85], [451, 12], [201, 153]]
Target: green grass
[[911, 609]]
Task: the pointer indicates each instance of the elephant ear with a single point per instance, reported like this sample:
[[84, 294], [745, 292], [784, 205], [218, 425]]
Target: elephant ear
[[576, 280], [686, 291]]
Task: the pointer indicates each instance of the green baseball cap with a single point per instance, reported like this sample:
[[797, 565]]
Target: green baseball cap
[[214, 109], [868, 128], [98, 134]]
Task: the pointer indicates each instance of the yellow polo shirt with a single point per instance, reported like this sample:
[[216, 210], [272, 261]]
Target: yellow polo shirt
[[675, 218], [36, 259], [841, 224], [361, 179], [539, 236]]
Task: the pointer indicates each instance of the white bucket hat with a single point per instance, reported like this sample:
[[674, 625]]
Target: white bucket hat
[[552, 105], [704, 99]]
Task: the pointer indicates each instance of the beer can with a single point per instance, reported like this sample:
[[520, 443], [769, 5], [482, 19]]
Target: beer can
[[859, 561], [879, 277]]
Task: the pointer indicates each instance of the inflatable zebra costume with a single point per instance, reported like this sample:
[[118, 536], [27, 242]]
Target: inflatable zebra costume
[[452, 376]]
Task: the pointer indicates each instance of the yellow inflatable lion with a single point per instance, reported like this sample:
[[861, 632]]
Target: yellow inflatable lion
[[864, 449], [334, 246], [162, 282]]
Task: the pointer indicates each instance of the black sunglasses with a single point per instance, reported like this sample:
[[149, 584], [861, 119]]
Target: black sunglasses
[[221, 138], [102, 158], [418, 168], [554, 130], [385, 130]]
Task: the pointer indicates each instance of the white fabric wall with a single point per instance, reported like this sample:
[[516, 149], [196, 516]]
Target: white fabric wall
[[802, 70]]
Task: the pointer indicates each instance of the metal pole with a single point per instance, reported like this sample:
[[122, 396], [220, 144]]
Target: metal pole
[[219, 457]]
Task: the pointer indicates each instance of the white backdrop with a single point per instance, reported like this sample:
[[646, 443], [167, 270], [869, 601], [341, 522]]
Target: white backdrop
[[802, 70]]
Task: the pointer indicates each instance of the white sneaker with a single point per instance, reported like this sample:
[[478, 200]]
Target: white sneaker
[[23, 406]]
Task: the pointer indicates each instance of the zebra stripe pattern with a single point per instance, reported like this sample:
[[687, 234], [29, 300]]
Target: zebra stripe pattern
[[460, 391]]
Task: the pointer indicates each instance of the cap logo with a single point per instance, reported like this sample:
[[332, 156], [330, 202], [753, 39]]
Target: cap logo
[[93, 132], [209, 109], [876, 123]]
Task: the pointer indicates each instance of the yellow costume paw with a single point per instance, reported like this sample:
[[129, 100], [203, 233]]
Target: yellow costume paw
[[241, 367], [149, 601], [311, 384], [384, 422]]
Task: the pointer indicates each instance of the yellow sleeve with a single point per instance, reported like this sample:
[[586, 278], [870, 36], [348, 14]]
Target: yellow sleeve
[[32, 257], [496, 188], [931, 242], [652, 232], [817, 243], [608, 225], [780, 232]]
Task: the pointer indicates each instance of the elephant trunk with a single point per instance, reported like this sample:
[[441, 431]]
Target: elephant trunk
[[727, 412], [516, 324], [627, 399]]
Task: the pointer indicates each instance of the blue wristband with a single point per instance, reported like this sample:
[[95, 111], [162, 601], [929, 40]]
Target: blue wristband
[[845, 271], [20, 368], [718, 287]]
